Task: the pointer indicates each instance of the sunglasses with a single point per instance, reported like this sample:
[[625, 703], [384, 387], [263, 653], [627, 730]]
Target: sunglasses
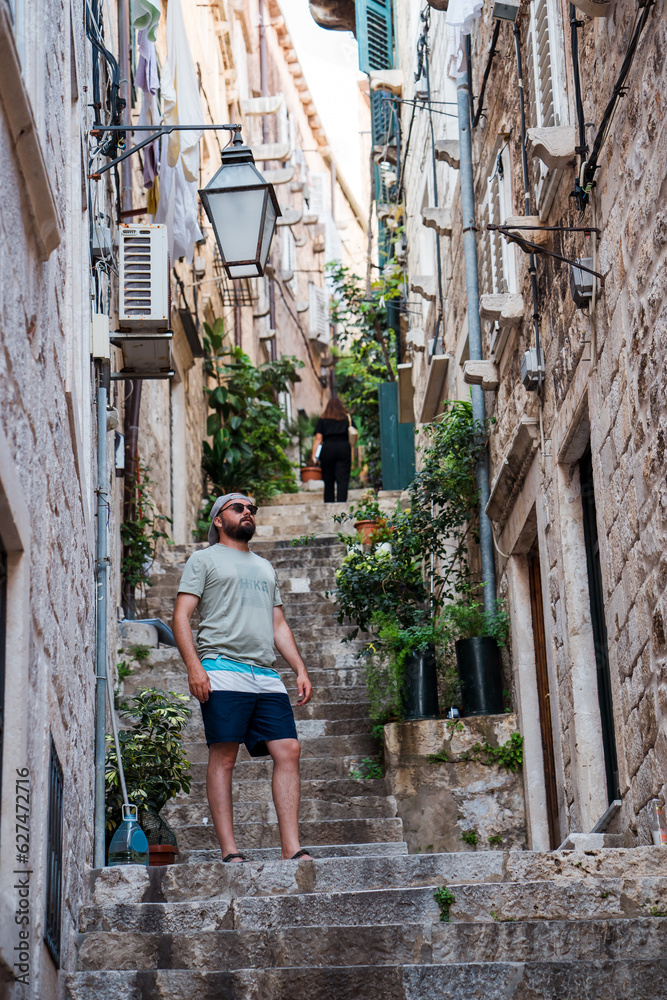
[[238, 508]]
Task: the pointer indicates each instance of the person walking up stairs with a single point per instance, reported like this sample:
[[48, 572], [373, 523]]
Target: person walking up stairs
[[361, 921]]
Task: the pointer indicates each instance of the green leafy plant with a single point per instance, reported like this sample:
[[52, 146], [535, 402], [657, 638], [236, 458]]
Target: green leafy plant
[[495, 838], [366, 353], [465, 618], [303, 540], [367, 769], [385, 662], [246, 424], [470, 837], [508, 755], [445, 899], [141, 533], [154, 762]]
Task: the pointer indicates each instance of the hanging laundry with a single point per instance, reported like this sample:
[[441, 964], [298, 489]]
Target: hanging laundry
[[148, 80], [179, 157], [177, 207], [145, 16], [460, 17], [180, 94]]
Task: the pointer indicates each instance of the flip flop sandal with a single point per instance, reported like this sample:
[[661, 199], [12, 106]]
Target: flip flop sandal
[[229, 857], [300, 854]]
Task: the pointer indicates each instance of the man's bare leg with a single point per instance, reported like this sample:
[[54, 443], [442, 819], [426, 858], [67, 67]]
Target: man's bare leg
[[221, 760], [287, 792]]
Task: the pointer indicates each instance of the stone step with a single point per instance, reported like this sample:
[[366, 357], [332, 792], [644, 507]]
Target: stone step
[[333, 831], [307, 729], [312, 768], [605, 979], [318, 746], [388, 867], [355, 807], [380, 849], [500, 902], [338, 790], [389, 944]]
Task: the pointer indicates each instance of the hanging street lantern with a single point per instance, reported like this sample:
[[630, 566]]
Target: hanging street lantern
[[242, 208]]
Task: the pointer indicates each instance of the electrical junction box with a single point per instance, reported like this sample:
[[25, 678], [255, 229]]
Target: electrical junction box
[[101, 245], [532, 369], [143, 278], [581, 283], [506, 10], [99, 336]]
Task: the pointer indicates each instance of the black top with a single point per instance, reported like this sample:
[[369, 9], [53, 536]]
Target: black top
[[332, 430]]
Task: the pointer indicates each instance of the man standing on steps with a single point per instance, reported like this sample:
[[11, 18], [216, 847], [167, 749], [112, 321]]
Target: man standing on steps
[[243, 699]]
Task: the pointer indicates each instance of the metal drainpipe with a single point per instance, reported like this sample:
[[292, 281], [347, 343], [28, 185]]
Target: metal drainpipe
[[475, 335], [101, 568]]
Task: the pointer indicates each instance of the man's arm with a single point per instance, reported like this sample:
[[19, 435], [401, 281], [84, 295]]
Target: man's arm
[[286, 646], [198, 681]]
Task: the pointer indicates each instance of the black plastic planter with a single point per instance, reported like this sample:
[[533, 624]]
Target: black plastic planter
[[421, 685], [478, 662]]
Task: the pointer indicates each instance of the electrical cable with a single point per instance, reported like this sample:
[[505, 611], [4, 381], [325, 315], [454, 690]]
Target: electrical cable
[[476, 115], [575, 24], [589, 169], [305, 339], [532, 269]]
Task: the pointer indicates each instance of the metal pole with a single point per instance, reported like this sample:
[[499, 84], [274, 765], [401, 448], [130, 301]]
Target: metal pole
[[475, 335], [101, 564]]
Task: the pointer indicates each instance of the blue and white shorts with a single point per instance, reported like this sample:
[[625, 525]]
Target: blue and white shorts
[[246, 704]]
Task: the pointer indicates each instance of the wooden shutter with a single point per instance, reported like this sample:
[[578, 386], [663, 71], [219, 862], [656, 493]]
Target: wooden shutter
[[374, 34], [540, 48]]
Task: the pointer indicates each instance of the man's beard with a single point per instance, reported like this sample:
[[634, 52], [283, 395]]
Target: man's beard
[[242, 532]]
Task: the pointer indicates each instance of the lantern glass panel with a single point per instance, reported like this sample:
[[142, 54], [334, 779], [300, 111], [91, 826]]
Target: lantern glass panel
[[267, 235], [237, 217]]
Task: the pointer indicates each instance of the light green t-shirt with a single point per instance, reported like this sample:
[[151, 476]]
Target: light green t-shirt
[[238, 592]]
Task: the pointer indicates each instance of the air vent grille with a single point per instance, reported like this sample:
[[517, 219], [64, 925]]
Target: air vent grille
[[144, 278]]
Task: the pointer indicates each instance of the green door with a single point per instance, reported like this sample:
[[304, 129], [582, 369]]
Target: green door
[[397, 441]]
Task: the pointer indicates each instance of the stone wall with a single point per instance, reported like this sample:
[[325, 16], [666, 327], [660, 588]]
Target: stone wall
[[47, 519], [604, 381], [441, 801]]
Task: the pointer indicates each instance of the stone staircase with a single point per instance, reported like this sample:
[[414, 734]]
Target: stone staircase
[[361, 922]]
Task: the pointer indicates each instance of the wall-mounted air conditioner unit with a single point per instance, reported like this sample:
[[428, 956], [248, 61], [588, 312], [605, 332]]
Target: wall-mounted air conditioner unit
[[319, 320], [143, 267]]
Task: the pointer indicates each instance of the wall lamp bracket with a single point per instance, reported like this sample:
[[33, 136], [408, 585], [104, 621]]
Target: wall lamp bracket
[[156, 132]]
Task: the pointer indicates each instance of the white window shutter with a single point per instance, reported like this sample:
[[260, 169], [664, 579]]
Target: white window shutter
[[319, 323], [545, 54], [333, 246], [318, 204], [287, 254]]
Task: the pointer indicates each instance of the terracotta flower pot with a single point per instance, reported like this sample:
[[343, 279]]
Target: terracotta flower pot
[[310, 473], [161, 854], [366, 529]]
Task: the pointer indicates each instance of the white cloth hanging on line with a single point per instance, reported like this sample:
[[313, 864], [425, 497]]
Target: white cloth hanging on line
[[148, 81], [145, 16], [461, 15], [179, 159]]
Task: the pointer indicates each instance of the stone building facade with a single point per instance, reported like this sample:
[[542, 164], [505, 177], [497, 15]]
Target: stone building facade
[[577, 471], [49, 380]]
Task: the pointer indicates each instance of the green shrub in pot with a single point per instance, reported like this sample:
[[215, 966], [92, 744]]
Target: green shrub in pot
[[154, 762]]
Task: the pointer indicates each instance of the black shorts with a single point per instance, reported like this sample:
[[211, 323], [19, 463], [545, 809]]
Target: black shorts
[[243, 717]]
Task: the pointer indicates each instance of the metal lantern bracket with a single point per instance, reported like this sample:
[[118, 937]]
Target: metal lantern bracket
[[156, 131]]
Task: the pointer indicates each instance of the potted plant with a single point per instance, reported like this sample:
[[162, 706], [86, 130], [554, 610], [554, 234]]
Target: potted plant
[[310, 473], [154, 764], [368, 520], [477, 635], [409, 653]]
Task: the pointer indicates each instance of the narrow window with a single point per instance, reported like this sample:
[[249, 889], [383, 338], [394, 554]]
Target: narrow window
[[54, 857], [546, 94], [598, 623]]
